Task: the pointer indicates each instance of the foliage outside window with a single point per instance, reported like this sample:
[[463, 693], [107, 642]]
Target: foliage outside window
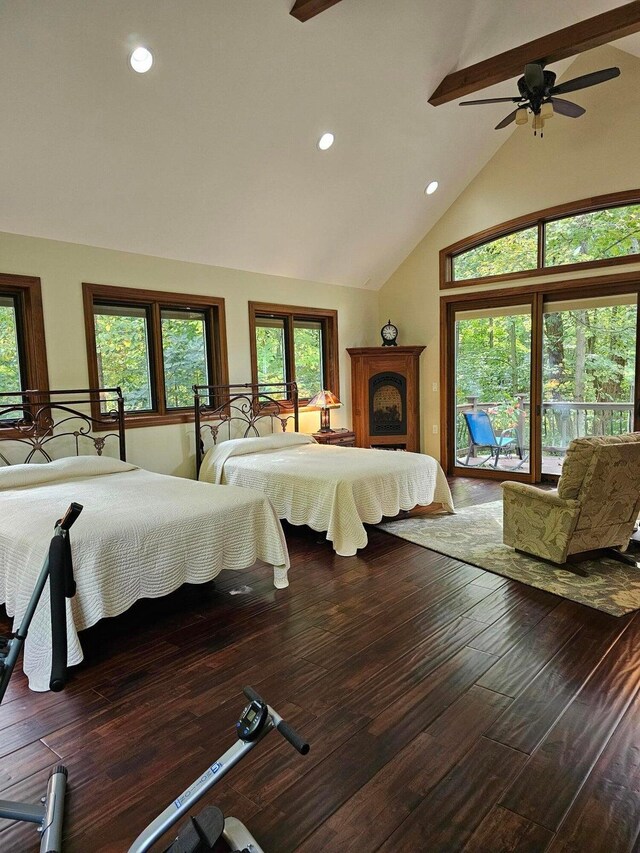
[[511, 253], [184, 351], [571, 236], [295, 344], [507, 415], [588, 356], [155, 346], [122, 353], [270, 349], [493, 365], [10, 361], [23, 361], [589, 353], [492, 374], [598, 235], [308, 358]]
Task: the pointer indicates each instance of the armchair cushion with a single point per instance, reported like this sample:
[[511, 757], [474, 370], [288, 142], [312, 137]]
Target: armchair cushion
[[533, 493], [575, 466], [580, 456]]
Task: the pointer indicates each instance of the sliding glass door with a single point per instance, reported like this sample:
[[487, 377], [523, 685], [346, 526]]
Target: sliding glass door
[[490, 404], [588, 371], [523, 375]]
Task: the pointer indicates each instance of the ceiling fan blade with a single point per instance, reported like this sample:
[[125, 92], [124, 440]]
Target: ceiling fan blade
[[490, 101], [586, 80], [534, 77], [506, 120], [567, 108]]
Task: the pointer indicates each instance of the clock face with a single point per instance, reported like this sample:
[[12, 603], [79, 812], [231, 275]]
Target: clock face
[[389, 332]]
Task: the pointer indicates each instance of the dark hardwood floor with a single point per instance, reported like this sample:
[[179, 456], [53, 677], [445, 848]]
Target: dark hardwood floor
[[448, 709]]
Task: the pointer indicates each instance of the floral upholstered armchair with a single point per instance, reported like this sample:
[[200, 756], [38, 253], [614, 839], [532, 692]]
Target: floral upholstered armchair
[[594, 507]]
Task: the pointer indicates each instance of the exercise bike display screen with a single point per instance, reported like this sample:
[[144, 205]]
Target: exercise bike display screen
[[252, 721]]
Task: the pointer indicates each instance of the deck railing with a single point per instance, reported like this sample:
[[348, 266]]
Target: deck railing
[[562, 421]]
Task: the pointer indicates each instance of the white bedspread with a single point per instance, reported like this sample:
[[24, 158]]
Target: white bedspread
[[329, 488], [141, 535]]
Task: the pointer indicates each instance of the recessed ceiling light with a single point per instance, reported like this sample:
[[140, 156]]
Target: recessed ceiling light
[[431, 188], [325, 141], [141, 60]]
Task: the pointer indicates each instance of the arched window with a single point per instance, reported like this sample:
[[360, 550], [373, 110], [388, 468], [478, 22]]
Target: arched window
[[593, 232]]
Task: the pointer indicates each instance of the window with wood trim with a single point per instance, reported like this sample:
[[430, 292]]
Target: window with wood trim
[[594, 232], [155, 346], [290, 343], [23, 357]]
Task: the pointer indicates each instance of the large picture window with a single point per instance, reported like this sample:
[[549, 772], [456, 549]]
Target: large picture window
[[155, 346], [289, 343], [23, 361]]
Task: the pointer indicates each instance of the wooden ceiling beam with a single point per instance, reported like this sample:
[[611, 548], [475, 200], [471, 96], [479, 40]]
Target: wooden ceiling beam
[[305, 9], [601, 29]]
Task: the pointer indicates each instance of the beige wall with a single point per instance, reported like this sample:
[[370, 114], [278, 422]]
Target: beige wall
[[595, 154], [62, 267]]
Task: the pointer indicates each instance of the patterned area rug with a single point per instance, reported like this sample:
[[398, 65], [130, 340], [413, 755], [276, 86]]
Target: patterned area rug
[[474, 535]]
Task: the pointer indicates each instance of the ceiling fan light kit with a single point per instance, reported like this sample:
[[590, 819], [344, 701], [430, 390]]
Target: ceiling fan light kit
[[538, 92], [538, 124]]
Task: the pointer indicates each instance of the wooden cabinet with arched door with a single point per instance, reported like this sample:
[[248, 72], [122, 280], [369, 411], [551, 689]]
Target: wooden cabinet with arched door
[[385, 395]]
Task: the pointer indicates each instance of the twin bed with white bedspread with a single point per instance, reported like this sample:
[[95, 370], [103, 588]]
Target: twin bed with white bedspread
[[141, 535], [328, 488]]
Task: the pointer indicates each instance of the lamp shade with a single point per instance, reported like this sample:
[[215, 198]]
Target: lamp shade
[[324, 400]]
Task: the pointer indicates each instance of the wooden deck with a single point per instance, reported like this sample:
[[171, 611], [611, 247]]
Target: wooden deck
[[550, 464], [448, 709]]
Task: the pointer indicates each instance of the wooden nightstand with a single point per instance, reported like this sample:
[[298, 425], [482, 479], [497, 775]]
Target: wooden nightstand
[[339, 436]]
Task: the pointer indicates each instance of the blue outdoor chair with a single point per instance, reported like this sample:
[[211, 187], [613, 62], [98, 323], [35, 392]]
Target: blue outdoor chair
[[481, 434]]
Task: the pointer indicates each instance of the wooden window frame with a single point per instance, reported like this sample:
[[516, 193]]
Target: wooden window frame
[[27, 292], [330, 352], [539, 220], [154, 301]]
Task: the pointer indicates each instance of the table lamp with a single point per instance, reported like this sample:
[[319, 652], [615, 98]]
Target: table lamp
[[324, 400]]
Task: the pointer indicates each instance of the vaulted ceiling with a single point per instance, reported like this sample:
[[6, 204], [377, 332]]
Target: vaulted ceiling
[[212, 157]]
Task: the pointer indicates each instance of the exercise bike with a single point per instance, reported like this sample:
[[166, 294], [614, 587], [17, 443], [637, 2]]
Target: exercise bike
[[48, 814], [203, 832]]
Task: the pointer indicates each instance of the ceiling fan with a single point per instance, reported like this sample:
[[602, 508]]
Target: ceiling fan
[[538, 93]]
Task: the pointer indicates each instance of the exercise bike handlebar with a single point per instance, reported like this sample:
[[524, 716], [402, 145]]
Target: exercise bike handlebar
[[265, 719], [70, 516], [287, 732], [61, 586]]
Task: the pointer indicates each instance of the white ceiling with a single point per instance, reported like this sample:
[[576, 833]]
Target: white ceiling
[[211, 156]]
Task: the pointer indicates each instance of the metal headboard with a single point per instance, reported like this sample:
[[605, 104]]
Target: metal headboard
[[236, 410], [38, 418]]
